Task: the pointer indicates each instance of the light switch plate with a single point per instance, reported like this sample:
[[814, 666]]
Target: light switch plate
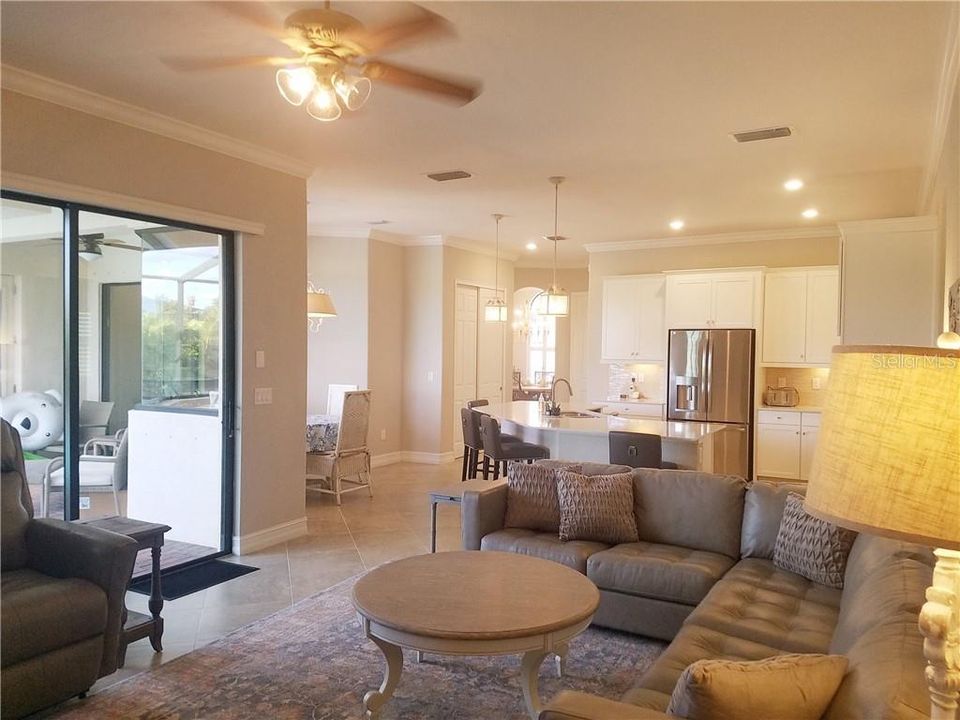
[[383, 434], [261, 359], [263, 396], [815, 382]]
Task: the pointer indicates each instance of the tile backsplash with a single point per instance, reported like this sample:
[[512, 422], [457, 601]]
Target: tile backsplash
[[650, 380], [800, 378]]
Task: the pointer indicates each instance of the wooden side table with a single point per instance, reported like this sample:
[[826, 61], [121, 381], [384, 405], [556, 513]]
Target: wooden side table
[[452, 495], [137, 625]]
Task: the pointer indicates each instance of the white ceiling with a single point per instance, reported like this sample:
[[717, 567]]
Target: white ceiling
[[632, 101]]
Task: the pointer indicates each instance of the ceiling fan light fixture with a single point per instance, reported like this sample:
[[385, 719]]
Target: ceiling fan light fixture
[[296, 84], [323, 104], [354, 91]]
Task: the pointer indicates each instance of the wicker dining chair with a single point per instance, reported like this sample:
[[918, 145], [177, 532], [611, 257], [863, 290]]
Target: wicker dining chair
[[350, 462]]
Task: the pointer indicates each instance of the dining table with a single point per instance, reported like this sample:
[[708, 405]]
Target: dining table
[[322, 433]]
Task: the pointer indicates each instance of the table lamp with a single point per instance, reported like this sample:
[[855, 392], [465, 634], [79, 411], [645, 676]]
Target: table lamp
[[888, 463]]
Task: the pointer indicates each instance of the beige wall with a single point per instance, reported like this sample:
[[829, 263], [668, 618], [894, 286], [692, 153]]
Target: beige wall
[[59, 144], [770, 253], [422, 348], [385, 346], [946, 201], [467, 268], [572, 279], [337, 350]]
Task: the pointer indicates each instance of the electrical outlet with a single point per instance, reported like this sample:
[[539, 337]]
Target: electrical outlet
[[383, 434], [263, 396], [261, 359], [430, 376], [84, 502], [815, 382], [781, 381], [641, 377]]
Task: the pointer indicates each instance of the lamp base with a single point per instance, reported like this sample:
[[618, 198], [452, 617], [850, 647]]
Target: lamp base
[[940, 625]]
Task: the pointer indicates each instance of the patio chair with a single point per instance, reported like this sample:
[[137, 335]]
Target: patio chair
[[98, 473]]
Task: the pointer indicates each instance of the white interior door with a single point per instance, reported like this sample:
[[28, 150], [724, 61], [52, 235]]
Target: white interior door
[[489, 347], [464, 357]]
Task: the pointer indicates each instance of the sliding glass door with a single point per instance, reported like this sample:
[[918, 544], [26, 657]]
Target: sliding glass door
[[144, 367]]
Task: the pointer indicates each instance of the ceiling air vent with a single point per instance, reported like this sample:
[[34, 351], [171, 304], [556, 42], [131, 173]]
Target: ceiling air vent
[[449, 175], [763, 134]]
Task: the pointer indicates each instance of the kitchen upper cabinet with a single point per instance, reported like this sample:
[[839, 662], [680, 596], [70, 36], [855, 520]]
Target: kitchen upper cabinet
[[632, 319], [712, 300], [800, 316]]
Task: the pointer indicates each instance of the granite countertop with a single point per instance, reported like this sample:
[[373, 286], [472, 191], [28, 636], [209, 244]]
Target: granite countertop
[[527, 414]]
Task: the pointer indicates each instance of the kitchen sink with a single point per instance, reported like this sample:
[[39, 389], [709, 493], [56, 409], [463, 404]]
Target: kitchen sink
[[576, 414]]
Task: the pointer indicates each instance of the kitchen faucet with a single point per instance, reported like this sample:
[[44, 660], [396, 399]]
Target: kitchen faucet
[[553, 407]]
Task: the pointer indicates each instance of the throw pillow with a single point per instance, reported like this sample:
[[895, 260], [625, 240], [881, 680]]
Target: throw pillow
[[786, 687], [811, 547], [532, 497], [597, 507]]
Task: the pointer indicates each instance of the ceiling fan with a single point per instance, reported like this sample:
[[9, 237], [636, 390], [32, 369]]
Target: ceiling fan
[[91, 244], [336, 58]]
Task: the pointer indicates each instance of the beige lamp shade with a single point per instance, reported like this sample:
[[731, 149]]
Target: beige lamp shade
[[320, 305], [888, 456]]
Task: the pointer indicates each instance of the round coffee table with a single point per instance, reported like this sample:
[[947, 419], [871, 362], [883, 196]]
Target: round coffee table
[[472, 603]]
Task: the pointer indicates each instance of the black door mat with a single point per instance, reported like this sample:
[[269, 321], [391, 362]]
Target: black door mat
[[177, 583]]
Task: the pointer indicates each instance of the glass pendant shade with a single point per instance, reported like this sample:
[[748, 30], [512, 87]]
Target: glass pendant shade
[[354, 91], [495, 311], [556, 302], [320, 305], [323, 105], [296, 84]]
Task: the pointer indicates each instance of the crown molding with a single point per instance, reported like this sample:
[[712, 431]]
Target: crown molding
[[318, 231], [827, 231], [53, 91], [56, 190], [411, 240], [922, 223], [946, 89]]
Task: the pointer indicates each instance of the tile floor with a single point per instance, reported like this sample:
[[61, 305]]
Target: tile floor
[[340, 543]]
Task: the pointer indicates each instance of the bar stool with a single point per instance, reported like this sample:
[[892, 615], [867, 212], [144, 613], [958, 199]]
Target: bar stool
[[473, 443], [638, 450], [477, 403], [494, 448]]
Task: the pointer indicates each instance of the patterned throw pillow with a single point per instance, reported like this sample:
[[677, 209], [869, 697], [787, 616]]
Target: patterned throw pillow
[[532, 497], [786, 687], [598, 507], [811, 547]]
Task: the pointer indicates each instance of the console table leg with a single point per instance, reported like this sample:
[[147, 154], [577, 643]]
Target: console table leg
[[156, 600], [529, 681], [374, 700], [561, 659]]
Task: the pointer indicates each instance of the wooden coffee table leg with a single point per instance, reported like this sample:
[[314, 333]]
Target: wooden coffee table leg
[[374, 700], [529, 680]]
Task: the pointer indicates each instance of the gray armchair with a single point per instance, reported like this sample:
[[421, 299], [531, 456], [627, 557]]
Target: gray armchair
[[62, 589]]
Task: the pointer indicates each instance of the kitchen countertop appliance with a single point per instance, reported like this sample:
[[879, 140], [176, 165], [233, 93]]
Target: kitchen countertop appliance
[[711, 379]]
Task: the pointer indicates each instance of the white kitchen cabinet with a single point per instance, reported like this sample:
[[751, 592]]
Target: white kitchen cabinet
[[800, 309], [786, 442], [712, 300], [632, 319]]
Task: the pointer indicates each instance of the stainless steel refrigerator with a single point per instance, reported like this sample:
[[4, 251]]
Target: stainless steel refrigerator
[[710, 380]]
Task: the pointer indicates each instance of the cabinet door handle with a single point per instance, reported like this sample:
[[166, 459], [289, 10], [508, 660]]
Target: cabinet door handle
[[797, 432]]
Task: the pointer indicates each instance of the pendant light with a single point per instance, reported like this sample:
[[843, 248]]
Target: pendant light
[[556, 300], [495, 311]]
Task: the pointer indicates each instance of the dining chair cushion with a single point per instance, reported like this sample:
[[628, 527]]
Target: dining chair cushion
[[532, 501], [597, 507], [811, 547]]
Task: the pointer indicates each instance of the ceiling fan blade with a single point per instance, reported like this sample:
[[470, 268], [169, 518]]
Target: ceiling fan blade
[[121, 246], [258, 14], [419, 26], [460, 91], [195, 64]]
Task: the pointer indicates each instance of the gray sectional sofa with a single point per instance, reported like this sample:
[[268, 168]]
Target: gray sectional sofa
[[702, 576]]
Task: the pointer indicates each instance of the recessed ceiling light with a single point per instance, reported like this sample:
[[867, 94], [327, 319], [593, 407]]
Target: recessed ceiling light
[[793, 184], [531, 246], [810, 213], [676, 224]]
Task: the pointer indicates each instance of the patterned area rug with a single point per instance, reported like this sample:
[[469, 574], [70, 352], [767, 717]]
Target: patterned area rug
[[310, 661]]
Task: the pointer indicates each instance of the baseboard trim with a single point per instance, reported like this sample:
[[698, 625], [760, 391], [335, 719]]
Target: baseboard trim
[[427, 458], [391, 458], [245, 544]]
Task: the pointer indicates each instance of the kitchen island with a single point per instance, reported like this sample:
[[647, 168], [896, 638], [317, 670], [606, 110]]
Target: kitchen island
[[691, 445]]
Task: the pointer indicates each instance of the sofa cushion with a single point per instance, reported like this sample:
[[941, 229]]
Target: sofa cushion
[[762, 513], [585, 468], [664, 572], [757, 601], [532, 498], [42, 613], [870, 552], [812, 547], [13, 522], [598, 507], [691, 509], [548, 546], [786, 687]]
